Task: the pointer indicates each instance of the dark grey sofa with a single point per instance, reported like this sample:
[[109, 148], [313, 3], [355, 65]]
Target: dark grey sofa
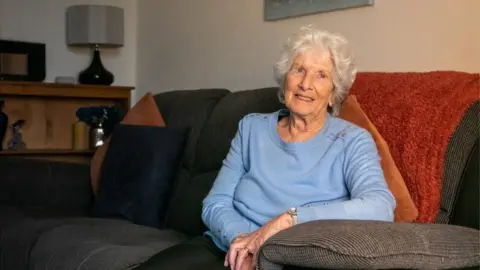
[[45, 218]]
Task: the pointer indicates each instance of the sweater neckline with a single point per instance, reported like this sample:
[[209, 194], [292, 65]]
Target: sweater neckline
[[295, 146]]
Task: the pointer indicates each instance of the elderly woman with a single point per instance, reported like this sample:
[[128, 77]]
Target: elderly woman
[[291, 166]]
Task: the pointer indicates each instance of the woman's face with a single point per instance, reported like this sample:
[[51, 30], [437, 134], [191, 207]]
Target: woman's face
[[309, 83]]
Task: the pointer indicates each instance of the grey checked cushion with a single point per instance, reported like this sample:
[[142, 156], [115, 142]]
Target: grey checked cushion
[[338, 244]]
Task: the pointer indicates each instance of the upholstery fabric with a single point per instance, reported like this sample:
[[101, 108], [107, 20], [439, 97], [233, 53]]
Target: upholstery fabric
[[457, 156], [466, 211], [189, 108], [45, 185], [417, 124], [137, 173], [99, 244], [219, 130], [146, 113], [185, 212], [355, 244], [405, 207], [17, 240]]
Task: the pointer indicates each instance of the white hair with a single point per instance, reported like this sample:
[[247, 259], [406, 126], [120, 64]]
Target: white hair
[[344, 69]]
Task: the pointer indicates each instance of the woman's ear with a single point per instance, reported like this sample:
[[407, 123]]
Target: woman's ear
[[330, 98]]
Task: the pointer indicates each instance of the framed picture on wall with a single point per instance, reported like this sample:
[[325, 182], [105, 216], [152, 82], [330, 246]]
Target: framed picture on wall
[[281, 9]]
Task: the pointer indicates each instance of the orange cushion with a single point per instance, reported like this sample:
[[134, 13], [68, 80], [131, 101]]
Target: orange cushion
[[406, 211], [144, 113]]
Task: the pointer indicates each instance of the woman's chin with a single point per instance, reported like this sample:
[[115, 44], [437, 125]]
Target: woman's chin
[[301, 111]]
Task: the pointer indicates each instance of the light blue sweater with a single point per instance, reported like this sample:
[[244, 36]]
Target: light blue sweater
[[334, 175]]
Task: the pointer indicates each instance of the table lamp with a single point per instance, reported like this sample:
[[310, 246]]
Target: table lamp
[[95, 26]]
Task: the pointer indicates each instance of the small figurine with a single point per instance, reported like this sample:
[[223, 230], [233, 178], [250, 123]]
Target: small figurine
[[17, 142], [3, 124]]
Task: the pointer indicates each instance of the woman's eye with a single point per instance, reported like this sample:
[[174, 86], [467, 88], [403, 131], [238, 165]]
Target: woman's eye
[[321, 75]]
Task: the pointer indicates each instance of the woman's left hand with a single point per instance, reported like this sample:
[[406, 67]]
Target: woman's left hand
[[241, 249]]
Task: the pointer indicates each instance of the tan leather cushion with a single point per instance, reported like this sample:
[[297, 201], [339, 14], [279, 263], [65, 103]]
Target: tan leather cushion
[[144, 113], [406, 210]]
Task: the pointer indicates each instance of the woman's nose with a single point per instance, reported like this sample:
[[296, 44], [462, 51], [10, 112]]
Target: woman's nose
[[306, 83]]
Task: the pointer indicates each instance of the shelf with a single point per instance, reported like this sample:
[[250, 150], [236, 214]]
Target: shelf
[[44, 152]]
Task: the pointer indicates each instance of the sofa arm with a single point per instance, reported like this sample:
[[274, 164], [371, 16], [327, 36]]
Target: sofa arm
[[466, 207], [350, 244], [41, 184]]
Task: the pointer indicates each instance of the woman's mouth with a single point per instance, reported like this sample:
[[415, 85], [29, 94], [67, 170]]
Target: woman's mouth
[[304, 98]]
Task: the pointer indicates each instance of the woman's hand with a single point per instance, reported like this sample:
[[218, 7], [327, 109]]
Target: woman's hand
[[243, 248]]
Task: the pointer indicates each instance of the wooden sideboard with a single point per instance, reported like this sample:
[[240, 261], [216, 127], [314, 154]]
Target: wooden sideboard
[[49, 113]]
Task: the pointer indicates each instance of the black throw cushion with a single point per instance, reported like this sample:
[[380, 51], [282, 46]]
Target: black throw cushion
[[137, 173]]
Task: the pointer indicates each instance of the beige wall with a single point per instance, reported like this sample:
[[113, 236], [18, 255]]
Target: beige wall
[[226, 43]]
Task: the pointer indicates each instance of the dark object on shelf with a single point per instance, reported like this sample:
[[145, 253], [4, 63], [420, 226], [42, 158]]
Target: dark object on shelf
[[22, 61], [97, 136], [96, 73], [106, 116], [3, 124], [17, 142]]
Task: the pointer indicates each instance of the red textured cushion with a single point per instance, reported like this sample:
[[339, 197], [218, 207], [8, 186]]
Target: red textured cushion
[[417, 113]]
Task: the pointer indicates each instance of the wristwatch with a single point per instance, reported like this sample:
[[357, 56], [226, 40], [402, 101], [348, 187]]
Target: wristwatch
[[293, 214]]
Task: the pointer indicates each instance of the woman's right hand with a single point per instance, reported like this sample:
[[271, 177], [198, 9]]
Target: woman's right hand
[[242, 247], [248, 264]]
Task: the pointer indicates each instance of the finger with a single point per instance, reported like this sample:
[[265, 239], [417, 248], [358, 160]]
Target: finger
[[241, 256], [232, 256], [247, 264], [225, 262], [253, 264]]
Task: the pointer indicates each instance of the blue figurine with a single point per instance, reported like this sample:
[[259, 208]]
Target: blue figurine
[[17, 142], [3, 124]]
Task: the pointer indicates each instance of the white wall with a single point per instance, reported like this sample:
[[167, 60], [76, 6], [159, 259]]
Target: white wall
[[44, 21], [226, 43]]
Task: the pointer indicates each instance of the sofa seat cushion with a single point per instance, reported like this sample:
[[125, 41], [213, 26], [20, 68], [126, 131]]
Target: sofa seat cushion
[[9, 215], [357, 244], [18, 237], [100, 244], [82, 243]]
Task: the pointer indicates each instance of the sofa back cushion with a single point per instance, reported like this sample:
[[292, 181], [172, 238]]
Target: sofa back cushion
[[219, 130], [189, 108], [212, 147], [186, 108]]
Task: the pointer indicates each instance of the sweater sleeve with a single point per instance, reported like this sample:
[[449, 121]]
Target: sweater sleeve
[[370, 198], [218, 213]]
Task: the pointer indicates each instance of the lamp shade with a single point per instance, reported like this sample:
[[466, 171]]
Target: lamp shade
[[95, 25]]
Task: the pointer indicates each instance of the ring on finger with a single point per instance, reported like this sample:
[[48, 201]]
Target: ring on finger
[[247, 250]]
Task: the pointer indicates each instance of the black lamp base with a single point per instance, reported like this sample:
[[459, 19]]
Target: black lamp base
[[96, 72]]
